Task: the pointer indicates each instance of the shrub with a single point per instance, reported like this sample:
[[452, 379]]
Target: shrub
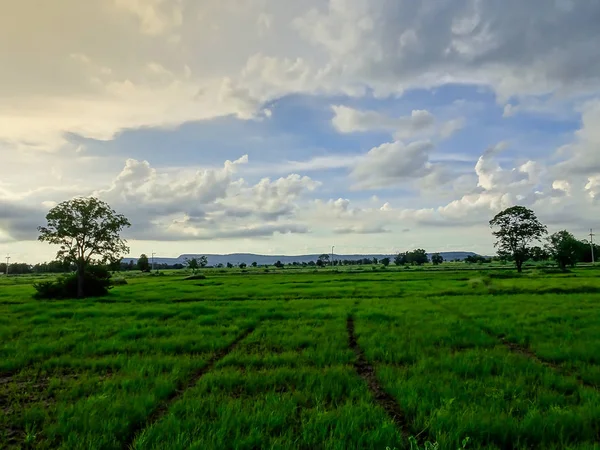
[[97, 282], [118, 282]]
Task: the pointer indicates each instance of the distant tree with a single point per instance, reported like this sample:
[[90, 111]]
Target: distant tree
[[323, 260], [564, 249], [229, 265], [401, 259], [418, 257], [585, 251], [254, 264], [87, 230], [131, 265], [517, 228], [202, 261], [242, 265], [16, 268], [279, 265], [311, 263], [192, 264], [538, 253], [220, 266], [477, 259], [385, 261], [436, 259], [143, 264], [115, 265], [375, 261]]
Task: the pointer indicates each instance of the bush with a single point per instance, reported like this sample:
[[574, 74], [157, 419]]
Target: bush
[[118, 282], [96, 283]]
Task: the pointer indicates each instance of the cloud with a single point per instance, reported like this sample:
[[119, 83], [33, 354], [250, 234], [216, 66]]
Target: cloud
[[166, 205], [18, 221], [362, 229], [581, 156], [452, 126], [350, 120], [392, 163], [419, 123], [155, 16], [518, 49]]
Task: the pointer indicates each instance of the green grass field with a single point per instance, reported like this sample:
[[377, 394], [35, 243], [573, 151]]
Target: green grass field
[[301, 360]]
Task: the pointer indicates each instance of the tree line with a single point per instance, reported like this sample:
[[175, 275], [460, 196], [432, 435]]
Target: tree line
[[87, 231], [517, 231]]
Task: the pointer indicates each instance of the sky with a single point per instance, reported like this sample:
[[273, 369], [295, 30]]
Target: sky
[[286, 127]]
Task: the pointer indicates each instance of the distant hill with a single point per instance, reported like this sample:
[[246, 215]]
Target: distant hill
[[249, 258]]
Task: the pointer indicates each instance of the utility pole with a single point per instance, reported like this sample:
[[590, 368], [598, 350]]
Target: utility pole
[[332, 247], [153, 261], [7, 260], [592, 244]]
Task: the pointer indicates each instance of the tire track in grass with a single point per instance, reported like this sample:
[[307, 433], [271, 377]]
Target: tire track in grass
[[367, 372], [164, 406], [519, 349]]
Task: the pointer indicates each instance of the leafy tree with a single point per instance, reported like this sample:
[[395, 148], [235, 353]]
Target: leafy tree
[[279, 265], [143, 264], [202, 261], [418, 257], [385, 261], [242, 265], [254, 264], [87, 230], [517, 228], [585, 251], [401, 259], [192, 264], [323, 260], [436, 259], [538, 253], [229, 265], [375, 261], [476, 259], [564, 249]]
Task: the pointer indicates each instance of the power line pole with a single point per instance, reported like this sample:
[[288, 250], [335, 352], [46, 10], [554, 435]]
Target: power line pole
[[7, 260], [592, 243]]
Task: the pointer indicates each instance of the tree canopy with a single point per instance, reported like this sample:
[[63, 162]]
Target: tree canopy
[[517, 228], [436, 259], [142, 263], [564, 249], [87, 230]]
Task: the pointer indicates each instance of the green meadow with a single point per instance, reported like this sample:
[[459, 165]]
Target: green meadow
[[291, 359]]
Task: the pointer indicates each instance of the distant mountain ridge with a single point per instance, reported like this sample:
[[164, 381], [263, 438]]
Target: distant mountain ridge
[[249, 258]]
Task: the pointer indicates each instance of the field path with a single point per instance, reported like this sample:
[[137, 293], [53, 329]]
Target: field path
[[164, 406], [518, 348], [367, 373]]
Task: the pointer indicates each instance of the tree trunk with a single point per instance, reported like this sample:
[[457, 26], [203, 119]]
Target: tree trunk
[[80, 278], [519, 265]]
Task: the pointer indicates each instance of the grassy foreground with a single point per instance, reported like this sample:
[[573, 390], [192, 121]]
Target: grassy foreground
[[303, 360]]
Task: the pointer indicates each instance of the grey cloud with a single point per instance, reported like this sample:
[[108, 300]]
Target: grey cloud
[[253, 231], [20, 221], [518, 47], [362, 229]]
